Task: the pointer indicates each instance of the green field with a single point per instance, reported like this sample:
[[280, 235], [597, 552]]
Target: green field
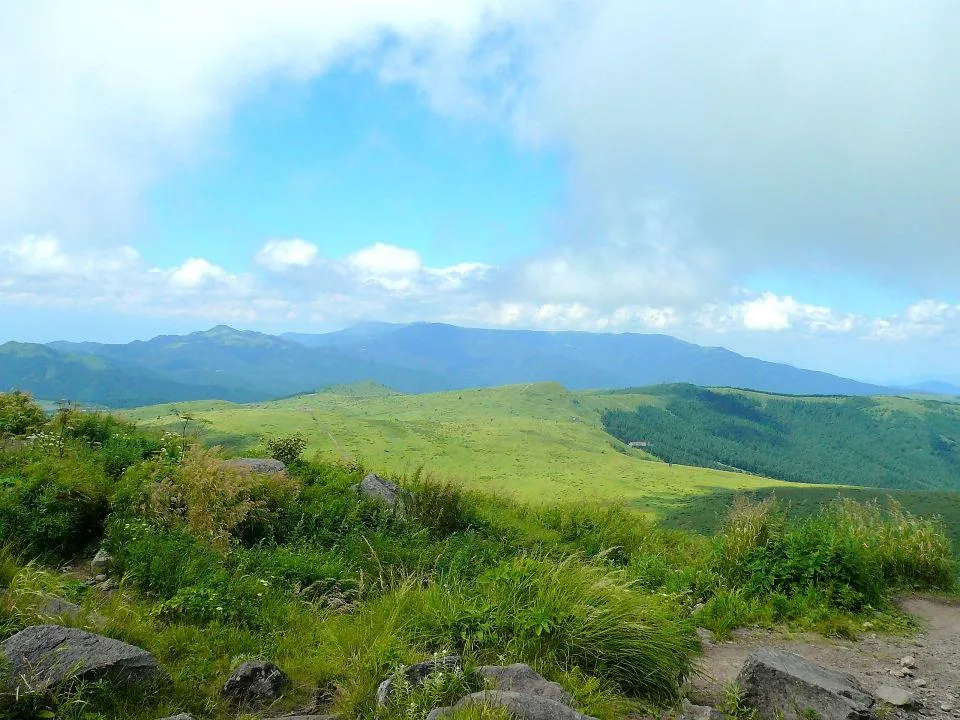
[[536, 442]]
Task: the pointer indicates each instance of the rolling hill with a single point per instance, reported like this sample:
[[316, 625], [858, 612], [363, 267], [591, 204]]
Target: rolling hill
[[886, 442], [55, 375], [416, 358]]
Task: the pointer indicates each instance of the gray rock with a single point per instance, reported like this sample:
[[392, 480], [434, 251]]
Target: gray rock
[[254, 684], [706, 637], [524, 707], [896, 696], [101, 561], [909, 661], [776, 681], [524, 679], [689, 711], [181, 716], [56, 607], [43, 657], [100, 578], [264, 466], [377, 488], [304, 717], [416, 674]]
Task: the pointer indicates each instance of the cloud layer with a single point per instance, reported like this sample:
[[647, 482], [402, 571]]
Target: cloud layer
[[704, 143]]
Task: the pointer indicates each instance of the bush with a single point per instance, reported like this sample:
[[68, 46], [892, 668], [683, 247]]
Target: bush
[[572, 615], [52, 507], [19, 415], [287, 448], [439, 506]]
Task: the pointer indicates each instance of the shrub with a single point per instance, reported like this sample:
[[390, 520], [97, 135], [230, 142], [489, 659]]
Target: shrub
[[54, 507], [19, 415], [287, 448], [439, 506], [572, 615]]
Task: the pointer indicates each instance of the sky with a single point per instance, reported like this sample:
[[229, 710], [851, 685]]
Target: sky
[[776, 177]]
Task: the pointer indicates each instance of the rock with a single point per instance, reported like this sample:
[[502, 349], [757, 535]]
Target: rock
[[101, 561], [908, 662], [898, 672], [254, 684], [377, 488], [524, 707], [57, 607], [920, 682], [304, 717], [706, 637], [263, 466], [895, 696], [689, 711], [100, 578], [946, 707], [181, 716], [43, 657], [776, 682], [524, 679], [416, 674], [697, 608]]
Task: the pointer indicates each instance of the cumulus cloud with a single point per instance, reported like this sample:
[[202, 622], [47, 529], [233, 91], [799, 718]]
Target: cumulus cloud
[[279, 255]]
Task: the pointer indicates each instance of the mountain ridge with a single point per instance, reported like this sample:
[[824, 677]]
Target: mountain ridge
[[250, 366]]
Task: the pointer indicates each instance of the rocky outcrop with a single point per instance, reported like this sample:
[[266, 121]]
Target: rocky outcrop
[[255, 684], [377, 488], [525, 707], [101, 562], [781, 684], [44, 657], [263, 466], [524, 679], [416, 674]]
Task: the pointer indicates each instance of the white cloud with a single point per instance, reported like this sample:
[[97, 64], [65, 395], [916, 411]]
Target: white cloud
[[381, 260], [197, 272], [280, 255], [922, 320]]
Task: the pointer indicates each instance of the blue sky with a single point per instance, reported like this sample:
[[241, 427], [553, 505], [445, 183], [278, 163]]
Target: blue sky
[[779, 179]]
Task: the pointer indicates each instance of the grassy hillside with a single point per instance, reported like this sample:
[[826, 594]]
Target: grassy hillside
[[213, 565], [888, 442], [535, 442]]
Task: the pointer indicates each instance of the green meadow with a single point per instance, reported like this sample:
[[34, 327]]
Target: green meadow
[[535, 442]]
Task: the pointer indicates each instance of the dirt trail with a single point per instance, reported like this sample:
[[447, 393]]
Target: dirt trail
[[872, 659]]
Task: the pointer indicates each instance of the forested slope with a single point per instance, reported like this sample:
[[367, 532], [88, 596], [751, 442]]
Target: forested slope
[[878, 442]]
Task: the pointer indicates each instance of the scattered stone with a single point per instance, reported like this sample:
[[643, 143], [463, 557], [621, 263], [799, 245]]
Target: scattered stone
[[524, 707], [698, 607], [706, 637], [524, 679], [377, 488], [920, 682], [304, 717], [263, 466], [254, 684], [689, 711], [107, 585], [898, 672], [895, 696], [101, 561], [946, 707], [416, 674], [43, 657], [776, 682], [908, 662], [100, 578], [181, 716]]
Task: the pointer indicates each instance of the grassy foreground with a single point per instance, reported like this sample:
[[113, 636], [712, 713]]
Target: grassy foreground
[[536, 442], [217, 565]]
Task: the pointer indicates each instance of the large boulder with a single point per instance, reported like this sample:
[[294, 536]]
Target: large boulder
[[524, 679], [377, 488], [101, 562], [780, 684], [416, 674], [43, 657], [263, 466], [254, 684], [525, 707]]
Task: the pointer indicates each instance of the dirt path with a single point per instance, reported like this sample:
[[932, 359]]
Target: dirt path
[[873, 660]]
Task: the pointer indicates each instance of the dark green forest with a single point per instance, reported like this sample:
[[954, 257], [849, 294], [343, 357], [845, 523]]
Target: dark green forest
[[877, 442]]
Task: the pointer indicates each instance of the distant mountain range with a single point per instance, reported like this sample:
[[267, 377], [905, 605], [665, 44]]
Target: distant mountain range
[[245, 366]]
